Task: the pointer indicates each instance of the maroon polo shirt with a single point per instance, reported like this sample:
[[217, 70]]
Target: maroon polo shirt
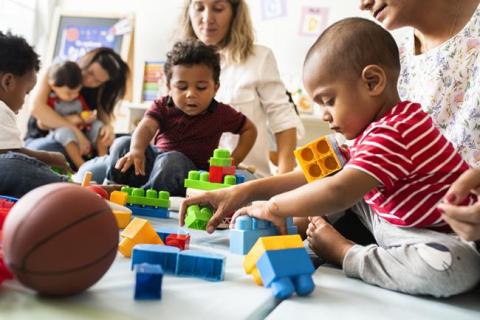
[[194, 136]]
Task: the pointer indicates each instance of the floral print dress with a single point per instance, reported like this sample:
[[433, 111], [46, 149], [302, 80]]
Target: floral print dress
[[446, 82]]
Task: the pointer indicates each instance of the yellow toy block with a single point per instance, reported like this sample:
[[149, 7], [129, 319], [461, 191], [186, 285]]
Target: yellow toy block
[[122, 217], [119, 197], [268, 243], [320, 158], [138, 231]]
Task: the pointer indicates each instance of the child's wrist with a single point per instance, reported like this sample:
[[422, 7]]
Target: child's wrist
[[272, 207]]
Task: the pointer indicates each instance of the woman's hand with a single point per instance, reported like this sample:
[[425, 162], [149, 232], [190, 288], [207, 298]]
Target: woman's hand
[[223, 201], [57, 160], [135, 157], [464, 220], [264, 210], [83, 143], [107, 134]]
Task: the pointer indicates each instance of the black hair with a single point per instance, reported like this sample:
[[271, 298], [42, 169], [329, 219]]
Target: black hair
[[66, 73], [114, 89], [190, 52], [351, 44], [16, 55]]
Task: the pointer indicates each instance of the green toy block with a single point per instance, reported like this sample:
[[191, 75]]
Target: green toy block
[[198, 217], [136, 196], [199, 180], [221, 158]]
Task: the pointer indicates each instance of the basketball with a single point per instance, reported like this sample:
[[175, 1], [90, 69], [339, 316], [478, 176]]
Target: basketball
[[60, 239]]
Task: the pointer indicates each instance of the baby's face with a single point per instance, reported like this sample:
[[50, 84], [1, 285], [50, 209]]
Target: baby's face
[[192, 88], [65, 93], [344, 101]]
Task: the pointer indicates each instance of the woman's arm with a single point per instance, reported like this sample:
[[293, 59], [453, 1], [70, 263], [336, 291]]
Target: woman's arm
[[286, 143], [248, 135]]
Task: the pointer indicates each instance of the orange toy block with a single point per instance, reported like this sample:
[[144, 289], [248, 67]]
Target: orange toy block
[[320, 158], [119, 197], [138, 231]]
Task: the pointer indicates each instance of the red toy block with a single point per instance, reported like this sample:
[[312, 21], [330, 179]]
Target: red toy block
[[5, 274], [216, 174], [98, 190], [228, 171], [180, 241]]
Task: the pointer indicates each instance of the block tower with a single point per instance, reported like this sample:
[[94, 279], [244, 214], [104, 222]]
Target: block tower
[[320, 157]]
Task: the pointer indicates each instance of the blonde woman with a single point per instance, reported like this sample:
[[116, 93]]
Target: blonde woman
[[249, 80]]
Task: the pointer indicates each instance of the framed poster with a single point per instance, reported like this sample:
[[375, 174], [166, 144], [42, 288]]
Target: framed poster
[[313, 21], [74, 34]]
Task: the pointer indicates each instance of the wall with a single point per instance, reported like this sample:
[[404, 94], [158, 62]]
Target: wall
[[156, 21]]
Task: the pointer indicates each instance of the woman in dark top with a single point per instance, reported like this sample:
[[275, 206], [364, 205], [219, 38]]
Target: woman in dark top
[[104, 84]]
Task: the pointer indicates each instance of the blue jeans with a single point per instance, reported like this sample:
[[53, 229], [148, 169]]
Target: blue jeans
[[20, 174], [163, 170]]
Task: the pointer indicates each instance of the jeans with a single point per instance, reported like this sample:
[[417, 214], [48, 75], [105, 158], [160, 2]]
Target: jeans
[[20, 174], [163, 170]]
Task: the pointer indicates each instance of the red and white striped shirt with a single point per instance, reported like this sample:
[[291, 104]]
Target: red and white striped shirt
[[414, 163]]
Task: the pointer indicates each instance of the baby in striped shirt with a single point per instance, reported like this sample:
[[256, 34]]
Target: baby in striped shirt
[[400, 168]]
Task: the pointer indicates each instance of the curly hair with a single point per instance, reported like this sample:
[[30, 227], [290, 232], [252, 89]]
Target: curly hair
[[16, 55], [190, 52]]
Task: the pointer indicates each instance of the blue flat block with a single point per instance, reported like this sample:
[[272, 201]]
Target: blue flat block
[[241, 241], [164, 232], [166, 256], [149, 211], [274, 265], [198, 264], [239, 178], [148, 284]]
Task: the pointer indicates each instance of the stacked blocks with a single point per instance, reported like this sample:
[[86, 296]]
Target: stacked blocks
[[192, 263], [248, 230], [138, 231], [148, 284], [150, 203], [201, 180], [220, 165], [320, 158], [281, 263], [197, 217], [174, 237]]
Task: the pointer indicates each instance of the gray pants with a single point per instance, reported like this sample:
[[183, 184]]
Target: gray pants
[[65, 135], [410, 260]]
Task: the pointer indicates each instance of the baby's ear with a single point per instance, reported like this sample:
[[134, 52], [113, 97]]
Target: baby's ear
[[374, 78]]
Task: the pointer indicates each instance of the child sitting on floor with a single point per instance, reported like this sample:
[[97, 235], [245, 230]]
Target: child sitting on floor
[[400, 164], [21, 169], [186, 125]]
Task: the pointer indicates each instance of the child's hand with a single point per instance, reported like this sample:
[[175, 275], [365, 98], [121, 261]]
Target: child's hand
[[264, 210], [137, 158], [57, 160], [88, 117]]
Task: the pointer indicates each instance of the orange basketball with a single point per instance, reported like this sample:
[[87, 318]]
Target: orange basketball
[[60, 239]]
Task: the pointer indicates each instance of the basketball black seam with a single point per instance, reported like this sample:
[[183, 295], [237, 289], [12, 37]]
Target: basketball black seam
[[40, 273], [53, 235]]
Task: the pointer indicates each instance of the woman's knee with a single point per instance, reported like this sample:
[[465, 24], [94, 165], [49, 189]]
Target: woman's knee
[[120, 146]]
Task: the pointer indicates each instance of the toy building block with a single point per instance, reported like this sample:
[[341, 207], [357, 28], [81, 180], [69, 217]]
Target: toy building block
[[5, 274], [284, 277], [6, 203], [247, 231], [320, 158], [98, 190], [164, 231], [181, 241], [122, 214], [198, 217], [203, 265], [268, 243], [270, 263], [200, 180], [166, 256], [119, 197], [138, 231], [150, 203], [221, 158], [148, 284]]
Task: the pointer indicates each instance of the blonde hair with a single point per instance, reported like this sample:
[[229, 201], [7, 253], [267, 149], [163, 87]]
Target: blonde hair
[[237, 45]]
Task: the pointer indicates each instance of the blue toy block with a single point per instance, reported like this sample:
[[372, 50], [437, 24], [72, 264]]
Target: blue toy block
[[248, 230], [286, 271], [148, 285], [166, 256], [240, 178], [149, 211], [163, 232], [203, 265]]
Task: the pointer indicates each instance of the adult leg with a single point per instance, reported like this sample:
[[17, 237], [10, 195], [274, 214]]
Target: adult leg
[[411, 260], [169, 172], [21, 174], [45, 144], [97, 166]]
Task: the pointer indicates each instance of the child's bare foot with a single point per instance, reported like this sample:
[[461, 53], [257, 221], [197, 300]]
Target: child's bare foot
[[327, 242]]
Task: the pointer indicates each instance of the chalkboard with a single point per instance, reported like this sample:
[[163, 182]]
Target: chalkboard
[[75, 34]]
